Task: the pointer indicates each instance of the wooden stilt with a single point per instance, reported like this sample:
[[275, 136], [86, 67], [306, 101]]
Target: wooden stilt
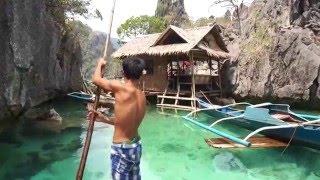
[[211, 76], [193, 89], [178, 84], [220, 81], [177, 96]]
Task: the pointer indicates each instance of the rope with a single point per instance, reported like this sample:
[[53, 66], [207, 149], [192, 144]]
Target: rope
[[292, 136]]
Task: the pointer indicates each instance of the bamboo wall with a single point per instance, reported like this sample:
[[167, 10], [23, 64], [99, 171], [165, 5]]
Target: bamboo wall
[[158, 80]]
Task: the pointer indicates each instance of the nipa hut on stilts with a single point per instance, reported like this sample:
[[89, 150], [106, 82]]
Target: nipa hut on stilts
[[181, 64]]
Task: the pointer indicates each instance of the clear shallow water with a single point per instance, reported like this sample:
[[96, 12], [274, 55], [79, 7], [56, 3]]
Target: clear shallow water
[[173, 149]]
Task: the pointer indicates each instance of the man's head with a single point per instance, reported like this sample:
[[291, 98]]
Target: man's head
[[132, 68]]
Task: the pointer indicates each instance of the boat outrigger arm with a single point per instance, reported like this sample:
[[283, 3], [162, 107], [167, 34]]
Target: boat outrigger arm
[[224, 119], [220, 133], [243, 141], [281, 127]]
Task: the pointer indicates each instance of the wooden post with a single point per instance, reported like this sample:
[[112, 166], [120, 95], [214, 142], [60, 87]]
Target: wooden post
[[178, 83], [171, 67], [211, 76], [193, 89], [96, 102], [220, 81], [210, 66]]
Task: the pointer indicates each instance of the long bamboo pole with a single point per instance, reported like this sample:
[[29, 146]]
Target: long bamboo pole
[[96, 102]]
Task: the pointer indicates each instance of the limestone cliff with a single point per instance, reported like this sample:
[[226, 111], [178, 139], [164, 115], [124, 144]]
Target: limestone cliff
[[173, 11], [278, 55], [92, 45], [38, 60]]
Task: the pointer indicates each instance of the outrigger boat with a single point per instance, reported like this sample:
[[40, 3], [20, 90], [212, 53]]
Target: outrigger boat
[[275, 121], [107, 100]]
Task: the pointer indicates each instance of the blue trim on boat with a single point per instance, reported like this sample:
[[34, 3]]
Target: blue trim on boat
[[220, 133], [81, 96], [307, 116]]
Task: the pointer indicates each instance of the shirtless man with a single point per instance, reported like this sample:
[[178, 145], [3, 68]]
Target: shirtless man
[[130, 106]]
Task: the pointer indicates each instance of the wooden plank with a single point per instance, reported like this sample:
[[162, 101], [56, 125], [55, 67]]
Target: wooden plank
[[175, 106], [256, 142], [177, 98], [212, 91], [187, 83]]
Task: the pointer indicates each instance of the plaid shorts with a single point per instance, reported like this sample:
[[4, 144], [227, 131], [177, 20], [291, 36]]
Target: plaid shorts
[[125, 161]]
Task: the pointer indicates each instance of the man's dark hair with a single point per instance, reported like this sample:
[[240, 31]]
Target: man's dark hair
[[133, 68]]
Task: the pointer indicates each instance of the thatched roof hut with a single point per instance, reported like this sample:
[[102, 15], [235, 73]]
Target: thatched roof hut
[[177, 41], [172, 58]]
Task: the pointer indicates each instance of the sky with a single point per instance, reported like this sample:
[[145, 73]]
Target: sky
[[128, 8]]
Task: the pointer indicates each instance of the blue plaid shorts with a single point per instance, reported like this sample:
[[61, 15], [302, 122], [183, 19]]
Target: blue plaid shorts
[[125, 161]]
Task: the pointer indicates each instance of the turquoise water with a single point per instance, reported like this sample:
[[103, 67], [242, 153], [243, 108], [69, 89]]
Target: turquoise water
[[173, 149]]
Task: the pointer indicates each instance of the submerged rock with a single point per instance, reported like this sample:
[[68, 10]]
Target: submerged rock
[[73, 146], [228, 162], [51, 145], [44, 119], [169, 147]]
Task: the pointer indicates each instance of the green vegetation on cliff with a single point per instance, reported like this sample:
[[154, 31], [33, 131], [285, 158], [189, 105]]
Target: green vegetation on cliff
[[65, 10], [141, 25]]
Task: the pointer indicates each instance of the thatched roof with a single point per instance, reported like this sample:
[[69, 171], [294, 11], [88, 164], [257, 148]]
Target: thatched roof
[[189, 39]]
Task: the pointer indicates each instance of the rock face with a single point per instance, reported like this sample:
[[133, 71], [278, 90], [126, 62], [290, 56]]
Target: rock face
[[43, 119], [38, 61], [306, 13], [279, 56], [173, 11], [93, 49]]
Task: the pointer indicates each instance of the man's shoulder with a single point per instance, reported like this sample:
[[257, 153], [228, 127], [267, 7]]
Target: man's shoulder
[[116, 84]]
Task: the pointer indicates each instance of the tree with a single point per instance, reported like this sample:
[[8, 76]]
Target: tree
[[141, 25], [204, 21], [62, 10], [232, 5]]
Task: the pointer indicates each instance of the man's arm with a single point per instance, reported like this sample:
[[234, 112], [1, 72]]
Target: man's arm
[[104, 119], [100, 117], [98, 80]]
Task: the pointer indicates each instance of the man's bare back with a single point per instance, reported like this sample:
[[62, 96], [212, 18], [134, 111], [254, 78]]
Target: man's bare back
[[130, 108], [130, 105]]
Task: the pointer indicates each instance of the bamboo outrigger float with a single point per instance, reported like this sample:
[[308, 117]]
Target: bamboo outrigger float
[[276, 121], [105, 100]]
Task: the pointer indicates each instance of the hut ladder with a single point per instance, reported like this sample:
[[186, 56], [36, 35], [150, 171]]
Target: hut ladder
[[164, 94], [177, 96]]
